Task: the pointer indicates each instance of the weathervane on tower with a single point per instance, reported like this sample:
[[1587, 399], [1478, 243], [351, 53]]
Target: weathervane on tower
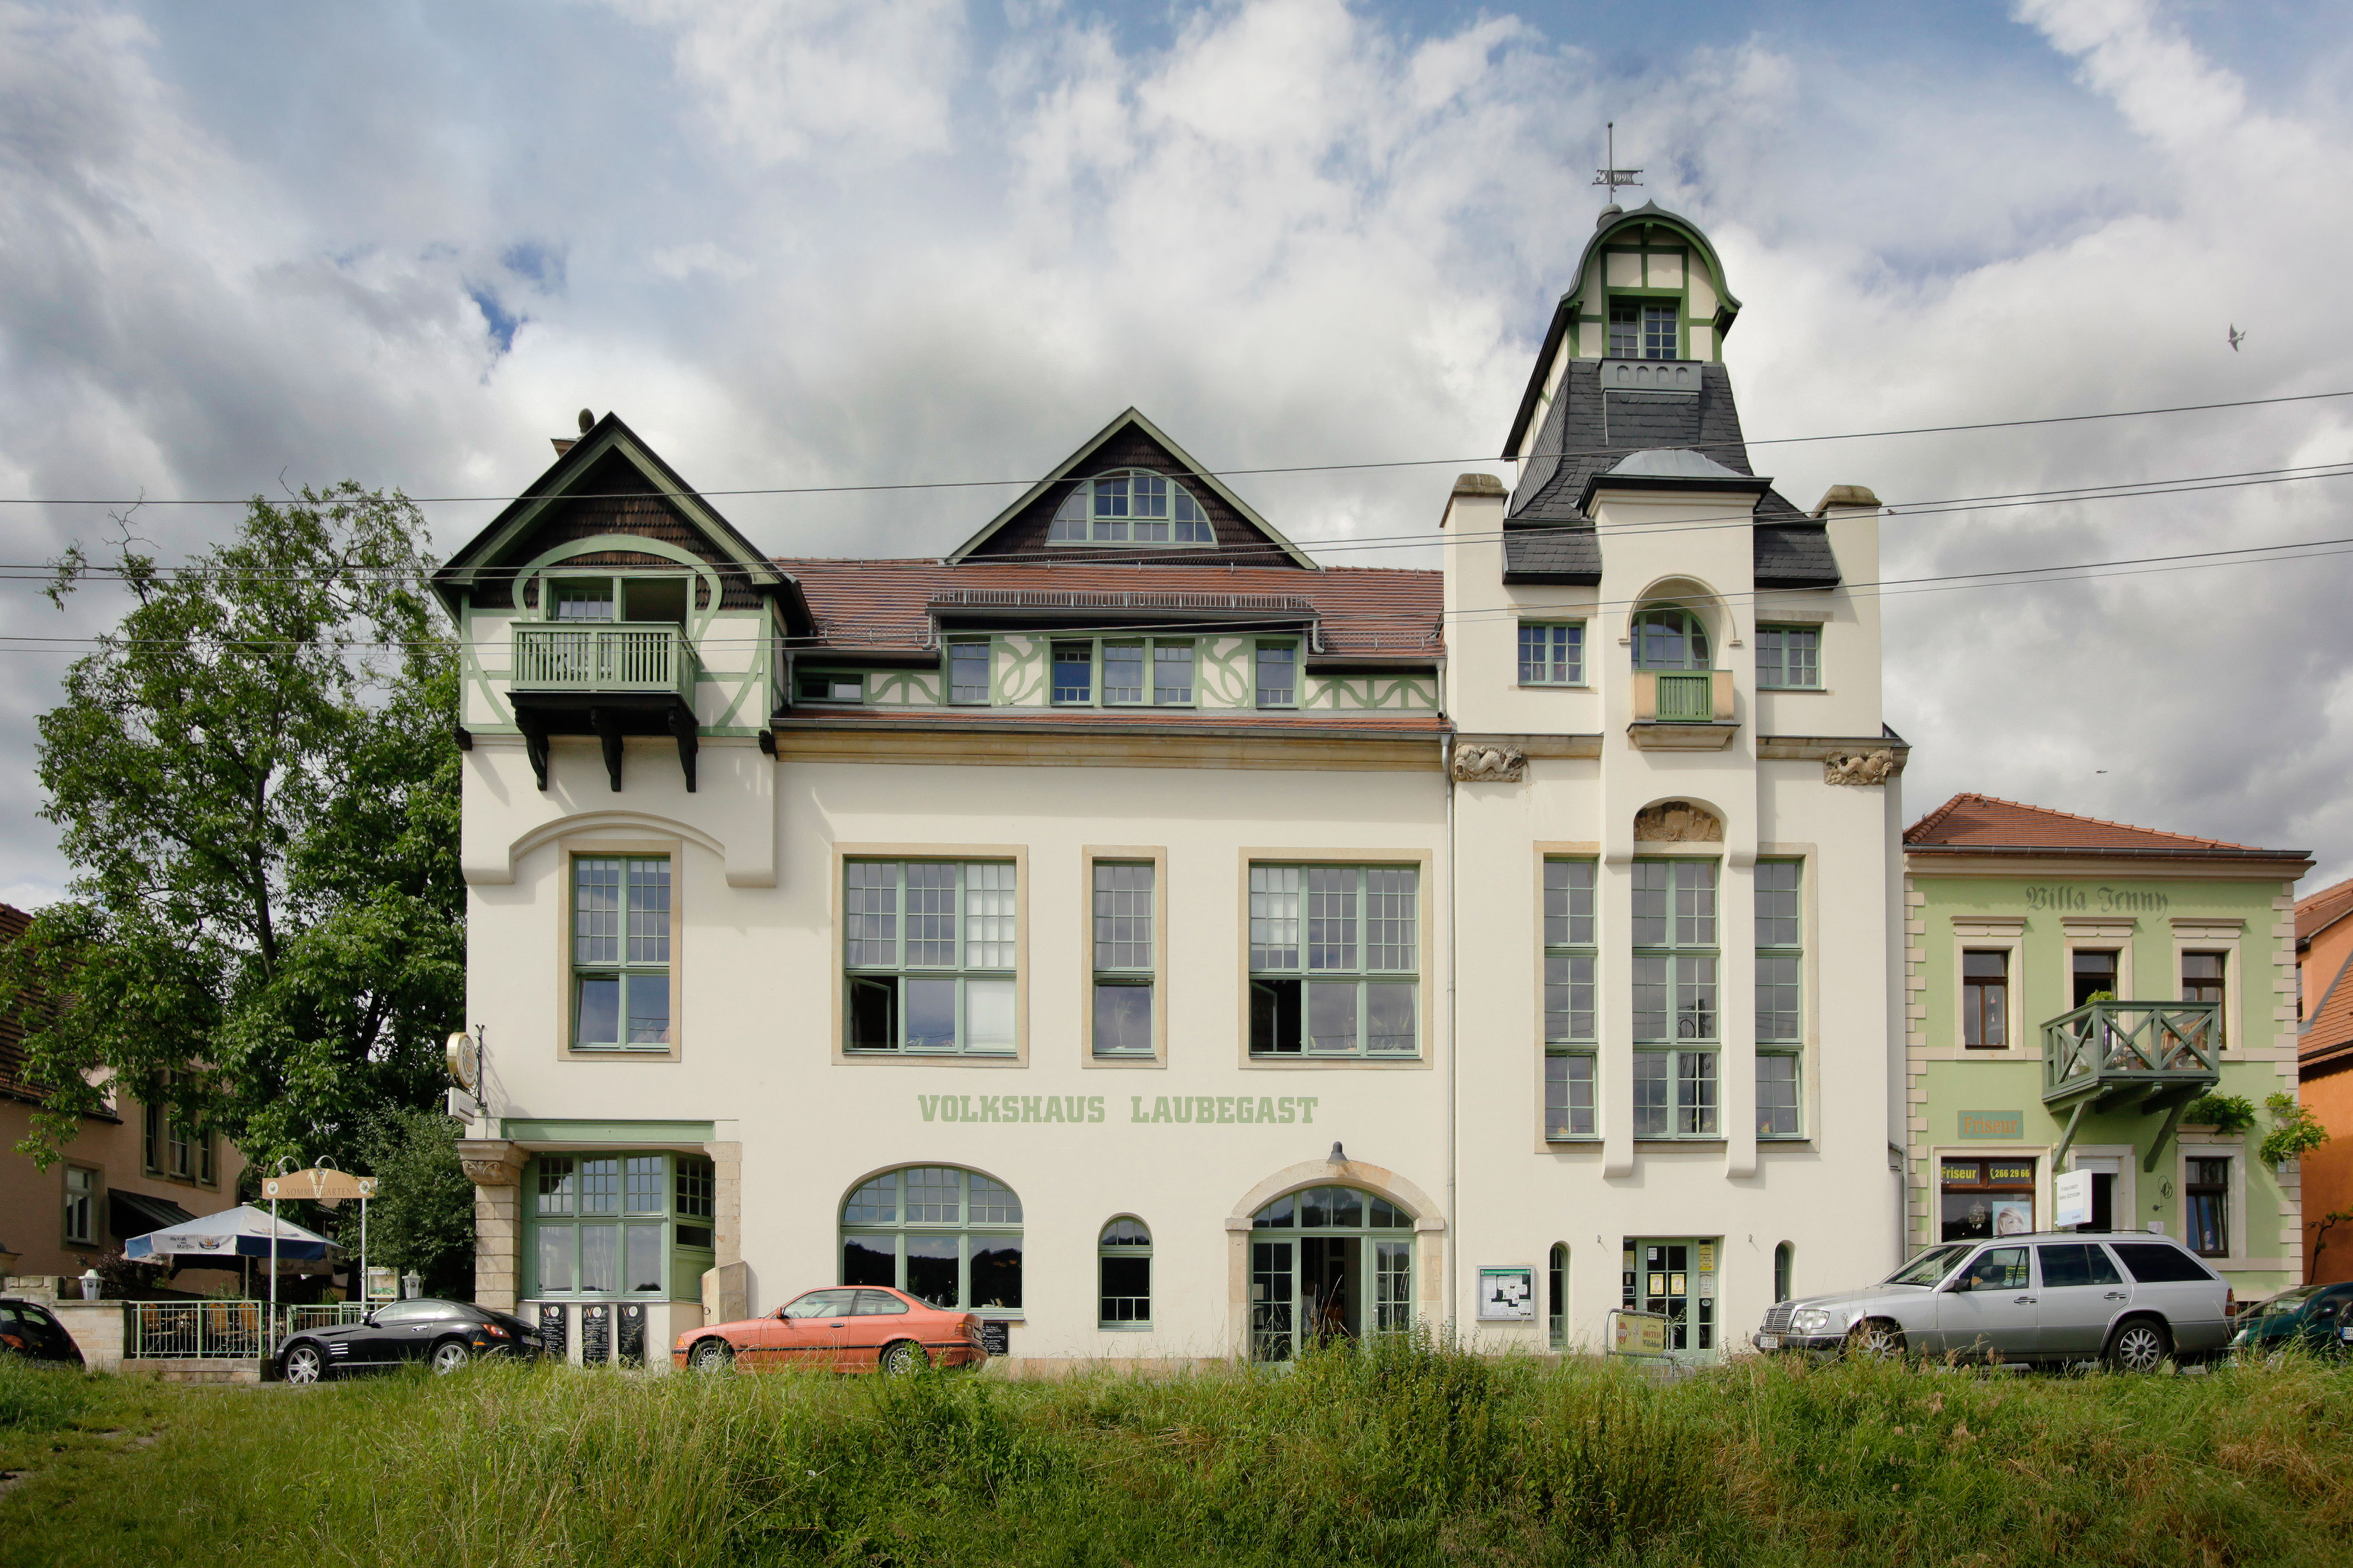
[[1611, 174]]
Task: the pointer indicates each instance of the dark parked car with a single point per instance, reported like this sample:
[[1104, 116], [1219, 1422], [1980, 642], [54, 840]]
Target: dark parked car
[[444, 1335], [2316, 1317], [28, 1329]]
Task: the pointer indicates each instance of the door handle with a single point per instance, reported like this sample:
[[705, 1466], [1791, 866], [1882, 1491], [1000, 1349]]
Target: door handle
[[837, 1325], [2117, 1296], [2021, 1301]]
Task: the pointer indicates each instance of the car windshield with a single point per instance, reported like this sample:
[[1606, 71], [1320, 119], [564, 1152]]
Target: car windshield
[[1929, 1267], [2286, 1304]]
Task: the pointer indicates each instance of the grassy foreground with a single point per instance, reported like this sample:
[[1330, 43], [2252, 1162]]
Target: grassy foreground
[[1404, 1455]]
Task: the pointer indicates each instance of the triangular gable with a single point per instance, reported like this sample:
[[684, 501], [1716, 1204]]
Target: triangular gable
[[1048, 492], [568, 480]]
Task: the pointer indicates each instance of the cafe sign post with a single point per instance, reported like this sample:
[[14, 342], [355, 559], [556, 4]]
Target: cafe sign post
[[321, 1183]]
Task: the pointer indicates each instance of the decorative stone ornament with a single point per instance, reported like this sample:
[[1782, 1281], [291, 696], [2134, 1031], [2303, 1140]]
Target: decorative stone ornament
[[1677, 821], [1490, 764], [1859, 768]]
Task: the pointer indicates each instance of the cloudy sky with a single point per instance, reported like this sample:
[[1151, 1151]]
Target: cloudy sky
[[813, 242]]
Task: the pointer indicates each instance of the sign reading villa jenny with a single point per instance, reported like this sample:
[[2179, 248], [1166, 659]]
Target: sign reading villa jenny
[[2098, 900], [1196, 1109]]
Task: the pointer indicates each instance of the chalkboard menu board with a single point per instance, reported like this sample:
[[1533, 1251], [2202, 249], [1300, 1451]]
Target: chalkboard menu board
[[597, 1333], [996, 1336], [551, 1328], [633, 1333]]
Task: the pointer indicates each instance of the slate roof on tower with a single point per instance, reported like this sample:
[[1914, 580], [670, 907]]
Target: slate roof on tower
[[1984, 823]]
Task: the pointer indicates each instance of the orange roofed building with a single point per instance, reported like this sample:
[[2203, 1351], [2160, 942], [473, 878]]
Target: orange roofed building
[[2324, 973]]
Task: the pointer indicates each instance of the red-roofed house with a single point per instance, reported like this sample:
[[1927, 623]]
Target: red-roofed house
[[2324, 973], [2072, 985]]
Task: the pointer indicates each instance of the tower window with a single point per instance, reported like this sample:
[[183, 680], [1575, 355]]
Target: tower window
[[1644, 329]]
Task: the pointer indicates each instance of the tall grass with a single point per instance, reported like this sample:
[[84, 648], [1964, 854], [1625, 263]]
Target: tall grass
[[1402, 1453]]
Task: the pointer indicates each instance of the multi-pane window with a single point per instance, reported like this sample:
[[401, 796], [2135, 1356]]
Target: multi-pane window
[[1278, 674], [2202, 980], [1127, 671], [82, 1192], [1644, 329], [1552, 655], [591, 601], [1670, 639], [1123, 1273], [173, 1149], [623, 1224], [1334, 952], [1675, 1010], [948, 1236], [1124, 962], [1788, 658], [2208, 1191], [1132, 508], [1569, 960], [831, 686], [968, 672], [928, 950], [621, 953], [1985, 1000], [1781, 1000]]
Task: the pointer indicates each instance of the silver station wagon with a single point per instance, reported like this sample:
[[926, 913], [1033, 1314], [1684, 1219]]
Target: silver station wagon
[[2127, 1299]]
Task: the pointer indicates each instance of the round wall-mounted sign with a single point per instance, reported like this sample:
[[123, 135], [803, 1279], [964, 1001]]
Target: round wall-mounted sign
[[465, 1062]]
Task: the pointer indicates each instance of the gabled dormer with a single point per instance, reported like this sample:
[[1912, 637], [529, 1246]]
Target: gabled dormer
[[610, 599]]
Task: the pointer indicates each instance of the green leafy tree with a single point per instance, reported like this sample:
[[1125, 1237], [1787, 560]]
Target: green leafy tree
[[423, 1217], [254, 784]]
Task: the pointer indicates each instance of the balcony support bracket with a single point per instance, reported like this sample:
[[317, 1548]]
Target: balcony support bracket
[[2164, 1133], [607, 725], [681, 724], [535, 744], [2067, 1140]]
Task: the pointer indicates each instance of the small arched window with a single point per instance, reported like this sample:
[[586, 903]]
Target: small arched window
[[1785, 1258], [1671, 638], [1133, 506], [1123, 1274], [1556, 1297], [948, 1236]]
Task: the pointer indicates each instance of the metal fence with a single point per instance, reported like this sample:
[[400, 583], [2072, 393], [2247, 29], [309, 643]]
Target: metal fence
[[227, 1330]]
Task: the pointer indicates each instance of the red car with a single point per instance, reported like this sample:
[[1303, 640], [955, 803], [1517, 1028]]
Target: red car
[[845, 1328]]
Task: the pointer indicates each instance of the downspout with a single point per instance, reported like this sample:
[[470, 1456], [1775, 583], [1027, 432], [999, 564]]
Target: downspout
[[1453, 1038]]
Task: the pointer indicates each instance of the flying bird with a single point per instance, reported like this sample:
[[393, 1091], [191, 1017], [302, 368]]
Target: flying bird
[[2237, 337]]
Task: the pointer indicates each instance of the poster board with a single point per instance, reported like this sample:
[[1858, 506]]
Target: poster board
[[1635, 1333], [1507, 1295], [2071, 1198]]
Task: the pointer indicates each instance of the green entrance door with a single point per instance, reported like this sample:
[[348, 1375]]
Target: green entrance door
[[1326, 1265], [1674, 1278]]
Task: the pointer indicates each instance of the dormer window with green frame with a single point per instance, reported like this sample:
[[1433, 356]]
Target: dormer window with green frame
[[1132, 506], [652, 597], [1671, 638], [1646, 327]]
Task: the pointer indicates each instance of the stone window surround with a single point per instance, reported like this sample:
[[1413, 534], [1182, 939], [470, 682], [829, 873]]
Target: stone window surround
[[1019, 855], [570, 847], [1426, 984], [2225, 935], [2235, 1208], [2099, 933], [1988, 934]]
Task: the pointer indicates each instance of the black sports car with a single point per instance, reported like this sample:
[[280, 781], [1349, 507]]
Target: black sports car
[[28, 1329], [444, 1335]]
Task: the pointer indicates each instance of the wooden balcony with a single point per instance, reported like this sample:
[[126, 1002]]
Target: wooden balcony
[[608, 679], [2147, 1055]]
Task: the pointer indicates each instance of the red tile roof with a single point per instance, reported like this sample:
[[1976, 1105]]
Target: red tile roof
[[1983, 823], [1361, 610], [2329, 1031], [2315, 912]]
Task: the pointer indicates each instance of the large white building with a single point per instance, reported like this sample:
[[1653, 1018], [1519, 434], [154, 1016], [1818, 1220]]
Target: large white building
[[1172, 947]]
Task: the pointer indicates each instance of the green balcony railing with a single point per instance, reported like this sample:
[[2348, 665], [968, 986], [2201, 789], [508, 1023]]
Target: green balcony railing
[[617, 656], [1686, 698], [2111, 1050]]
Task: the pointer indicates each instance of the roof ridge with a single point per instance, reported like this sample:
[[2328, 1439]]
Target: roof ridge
[[2075, 816]]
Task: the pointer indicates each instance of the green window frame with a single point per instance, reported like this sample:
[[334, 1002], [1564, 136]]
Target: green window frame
[[1126, 957], [1274, 672], [598, 598], [967, 676], [1552, 652], [1571, 962], [1646, 326], [1780, 998], [941, 1233], [1677, 1020], [1132, 506], [621, 1224], [1334, 961], [1671, 637], [929, 957], [1123, 1275], [621, 994], [1123, 672], [843, 686], [1789, 659]]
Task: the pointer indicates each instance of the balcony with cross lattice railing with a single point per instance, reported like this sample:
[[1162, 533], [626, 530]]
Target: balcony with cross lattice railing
[[2148, 1057]]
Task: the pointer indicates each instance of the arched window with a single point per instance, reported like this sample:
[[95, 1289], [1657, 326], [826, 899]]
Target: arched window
[[1131, 507], [950, 1237], [1123, 1273], [1556, 1297], [1671, 638], [1784, 1258], [1325, 1264]]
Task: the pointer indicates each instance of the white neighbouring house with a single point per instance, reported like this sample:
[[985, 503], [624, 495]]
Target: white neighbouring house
[[1134, 931]]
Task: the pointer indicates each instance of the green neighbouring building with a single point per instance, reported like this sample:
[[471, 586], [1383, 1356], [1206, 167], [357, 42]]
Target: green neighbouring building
[[2071, 989]]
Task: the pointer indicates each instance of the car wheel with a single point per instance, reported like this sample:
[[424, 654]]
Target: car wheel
[[305, 1365], [905, 1357], [1872, 1340], [711, 1356], [2141, 1345], [448, 1356]]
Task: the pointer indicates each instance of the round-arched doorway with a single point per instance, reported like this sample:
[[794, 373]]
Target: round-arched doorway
[[1328, 1263]]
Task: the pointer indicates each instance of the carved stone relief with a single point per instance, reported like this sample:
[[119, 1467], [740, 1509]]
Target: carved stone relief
[[1859, 768], [1677, 821], [1488, 764]]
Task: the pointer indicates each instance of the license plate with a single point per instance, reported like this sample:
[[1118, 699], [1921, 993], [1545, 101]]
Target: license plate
[[1768, 1342]]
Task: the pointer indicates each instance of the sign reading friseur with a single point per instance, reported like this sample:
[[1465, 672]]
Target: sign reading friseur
[[1195, 1109]]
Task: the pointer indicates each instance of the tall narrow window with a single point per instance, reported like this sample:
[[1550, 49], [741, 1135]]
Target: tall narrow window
[[1788, 658], [2095, 974], [1780, 1010], [2202, 980], [1556, 1299], [1784, 1258], [968, 672], [621, 953], [928, 953], [1277, 675], [1123, 1274], [1074, 672], [1675, 1012], [1123, 959], [1334, 952], [1552, 655], [2207, 1191], [1985, 1000], [82, 1192], [1568, 978], [1122, 671], [1172, 672]]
